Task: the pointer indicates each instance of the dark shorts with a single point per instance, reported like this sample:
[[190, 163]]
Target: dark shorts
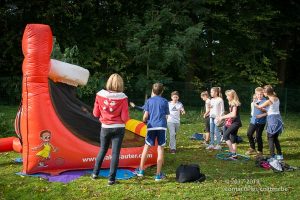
[[153, 134], [206, 121]]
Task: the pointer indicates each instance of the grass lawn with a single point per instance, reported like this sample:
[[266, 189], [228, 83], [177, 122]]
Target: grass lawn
[[225, 179]]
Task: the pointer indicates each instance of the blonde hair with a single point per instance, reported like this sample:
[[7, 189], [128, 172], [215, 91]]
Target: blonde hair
[[204, 94], [259, 89], [115, 83], [235, 99], [157, 88], [218, 90]]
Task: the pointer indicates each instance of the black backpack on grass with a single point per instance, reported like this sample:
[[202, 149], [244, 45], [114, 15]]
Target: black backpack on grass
[[189, 173]]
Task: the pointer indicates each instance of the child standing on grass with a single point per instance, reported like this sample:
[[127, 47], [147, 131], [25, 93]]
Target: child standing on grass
[[216, 110], [252, 104], [205, 97], [257, 124], [111, 107], [233, 122], [274, 121], [175, 109], [155, 115]]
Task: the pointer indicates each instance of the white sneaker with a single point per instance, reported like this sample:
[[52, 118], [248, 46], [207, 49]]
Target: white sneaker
[[279, 157], [217, 147], [210, 147]]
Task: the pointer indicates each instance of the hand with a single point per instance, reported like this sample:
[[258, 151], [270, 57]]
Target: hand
[[219, 118], [182, 112], [132, 104], [55, 149], [259, 116]]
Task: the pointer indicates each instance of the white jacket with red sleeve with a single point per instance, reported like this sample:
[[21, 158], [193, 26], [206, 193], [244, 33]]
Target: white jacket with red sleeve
[[111, 108]]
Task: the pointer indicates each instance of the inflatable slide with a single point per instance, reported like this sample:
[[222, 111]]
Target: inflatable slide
[[56, 131]]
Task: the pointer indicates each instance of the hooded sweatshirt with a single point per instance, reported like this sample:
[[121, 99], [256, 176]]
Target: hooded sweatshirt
[[111, 108]]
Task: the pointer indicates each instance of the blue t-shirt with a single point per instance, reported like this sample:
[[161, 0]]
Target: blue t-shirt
[[158, 108], [257, 111]]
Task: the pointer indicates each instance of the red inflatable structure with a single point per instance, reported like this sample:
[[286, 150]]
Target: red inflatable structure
[[57, 131]]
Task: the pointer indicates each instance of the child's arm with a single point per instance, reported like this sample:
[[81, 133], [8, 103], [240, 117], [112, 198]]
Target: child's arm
[[124, 112], [207, 110], [263, 105], [37, 147], [96, 111], [145, 116], [232, 114], [182, 110], [261, 115], [136, 107], [54, 149], [222, 106]]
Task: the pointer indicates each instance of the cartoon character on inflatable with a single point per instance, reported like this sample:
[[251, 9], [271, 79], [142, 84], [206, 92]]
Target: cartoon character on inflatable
[[56, 131]]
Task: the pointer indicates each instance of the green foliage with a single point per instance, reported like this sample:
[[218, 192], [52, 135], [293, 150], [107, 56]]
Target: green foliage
[[216, 41], [10, 90], [7, 117], [160, 44], [70, 55]]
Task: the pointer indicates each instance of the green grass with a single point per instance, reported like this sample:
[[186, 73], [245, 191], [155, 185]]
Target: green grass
[[222, 176]]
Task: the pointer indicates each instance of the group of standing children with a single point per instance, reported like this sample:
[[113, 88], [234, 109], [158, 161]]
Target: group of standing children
[[263, 111], [111, 107], [158, 115], [215, 115]]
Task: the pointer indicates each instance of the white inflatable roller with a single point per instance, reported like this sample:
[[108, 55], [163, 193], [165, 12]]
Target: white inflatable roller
[[68, 73]]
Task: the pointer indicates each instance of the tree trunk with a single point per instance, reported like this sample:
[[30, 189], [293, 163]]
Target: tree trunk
[[282, 63]]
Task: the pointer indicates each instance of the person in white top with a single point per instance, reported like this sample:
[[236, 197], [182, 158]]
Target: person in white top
[[216, 110], [254, 98], [274, 121], [176, 108], [205, 97]]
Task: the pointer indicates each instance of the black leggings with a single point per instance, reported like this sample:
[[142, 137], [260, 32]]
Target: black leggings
[[258, 128], [274, 142], [231, 132]]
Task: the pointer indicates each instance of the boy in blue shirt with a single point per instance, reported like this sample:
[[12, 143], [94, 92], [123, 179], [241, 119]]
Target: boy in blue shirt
[[257, 124], [155, 115]]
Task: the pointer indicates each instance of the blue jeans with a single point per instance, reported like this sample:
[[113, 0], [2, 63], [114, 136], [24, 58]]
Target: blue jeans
[[214, 130], [115, 136]]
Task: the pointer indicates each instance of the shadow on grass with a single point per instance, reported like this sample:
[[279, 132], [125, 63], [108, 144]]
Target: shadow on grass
[[291, 156], [5, 164], [289, 139], [217, 169]]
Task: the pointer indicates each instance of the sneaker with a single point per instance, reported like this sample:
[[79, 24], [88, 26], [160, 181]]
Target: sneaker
[[160, 176], [173, 151], [275, 164], [233, 156], [140, 173], [94, 176], [279, 157], [210, 147], [251, 152], [110, 183], [217, 147]]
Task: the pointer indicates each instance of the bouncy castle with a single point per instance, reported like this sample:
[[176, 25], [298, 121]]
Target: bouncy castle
[[56, 131]]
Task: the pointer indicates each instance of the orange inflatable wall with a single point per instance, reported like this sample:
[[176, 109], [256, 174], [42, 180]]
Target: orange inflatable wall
[[47, 145]]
